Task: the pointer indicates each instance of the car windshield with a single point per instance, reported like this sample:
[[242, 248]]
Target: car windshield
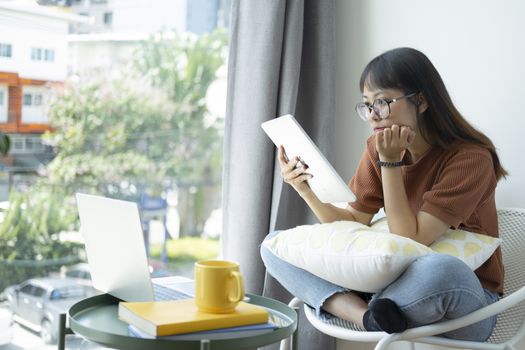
[[68, 292]]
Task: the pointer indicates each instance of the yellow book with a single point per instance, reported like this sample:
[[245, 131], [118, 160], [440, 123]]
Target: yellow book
[[161, 318]]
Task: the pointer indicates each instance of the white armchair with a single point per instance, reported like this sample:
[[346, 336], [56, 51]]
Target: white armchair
[[510, 328]]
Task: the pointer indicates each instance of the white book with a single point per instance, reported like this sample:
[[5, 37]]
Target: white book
[[215, 334]]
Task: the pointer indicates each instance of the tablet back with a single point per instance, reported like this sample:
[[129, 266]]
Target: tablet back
[[326, 183]]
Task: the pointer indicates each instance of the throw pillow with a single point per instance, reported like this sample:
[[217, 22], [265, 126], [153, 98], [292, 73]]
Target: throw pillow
[[368, 258]]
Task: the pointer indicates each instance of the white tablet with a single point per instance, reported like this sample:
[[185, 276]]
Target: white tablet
[[325, 183]]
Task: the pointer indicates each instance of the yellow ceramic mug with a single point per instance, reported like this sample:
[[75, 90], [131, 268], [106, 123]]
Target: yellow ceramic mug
[[219, 286]]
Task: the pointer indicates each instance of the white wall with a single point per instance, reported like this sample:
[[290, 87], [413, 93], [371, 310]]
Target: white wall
[[476, 45], [149, 16], [24, 31], [86, 55]]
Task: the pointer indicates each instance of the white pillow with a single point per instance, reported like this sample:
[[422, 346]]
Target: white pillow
[[367, 259]]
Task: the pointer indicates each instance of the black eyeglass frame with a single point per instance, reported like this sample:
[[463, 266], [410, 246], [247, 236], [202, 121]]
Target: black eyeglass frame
[[377, 109]]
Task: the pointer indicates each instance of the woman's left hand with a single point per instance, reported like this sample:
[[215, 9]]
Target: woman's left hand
[[391, 142]]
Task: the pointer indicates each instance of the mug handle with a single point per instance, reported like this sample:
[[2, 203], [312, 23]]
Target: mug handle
[[240, 287]]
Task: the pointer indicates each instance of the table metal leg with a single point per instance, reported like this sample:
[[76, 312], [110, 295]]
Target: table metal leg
[[205, 344], [62, 332], [295, 335]]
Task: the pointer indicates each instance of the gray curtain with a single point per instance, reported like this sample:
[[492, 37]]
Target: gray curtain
[[282, 60]]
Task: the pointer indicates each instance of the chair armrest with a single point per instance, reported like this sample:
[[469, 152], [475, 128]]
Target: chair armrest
[[476, 316]]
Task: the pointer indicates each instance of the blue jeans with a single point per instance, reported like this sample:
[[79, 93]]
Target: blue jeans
[[435, 287]]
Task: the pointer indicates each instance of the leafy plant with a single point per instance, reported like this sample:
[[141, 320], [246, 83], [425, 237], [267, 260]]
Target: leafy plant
[[30, 235], [5, 144]]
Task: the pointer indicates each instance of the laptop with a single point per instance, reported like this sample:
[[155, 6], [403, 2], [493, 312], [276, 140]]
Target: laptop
[[326, 182], [116, 252]]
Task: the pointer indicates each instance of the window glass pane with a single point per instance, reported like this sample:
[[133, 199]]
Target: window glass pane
[[5, 50], [28, 99], [28, 289], [17, 144], [49, 55], [73, 274], [38, 291], [36, 54], [37, 99], [108, 18], [1, 98], [139, 119]]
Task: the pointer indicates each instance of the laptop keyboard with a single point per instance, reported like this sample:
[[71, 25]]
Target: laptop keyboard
[[163, 293]]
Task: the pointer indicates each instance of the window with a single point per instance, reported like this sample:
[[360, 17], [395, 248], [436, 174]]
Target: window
[[38, 291], [27, 289], [32, 99], [49, 55], [37, 99], [28, 100], [26, 144], [5, 50], [33, 290], [39, 54], [34, 144], [2, 98], [108, 18], [17, 144], [36, 54], [132, 128]]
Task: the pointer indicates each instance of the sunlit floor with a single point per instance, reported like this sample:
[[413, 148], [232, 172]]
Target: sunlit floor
[[27, 339]]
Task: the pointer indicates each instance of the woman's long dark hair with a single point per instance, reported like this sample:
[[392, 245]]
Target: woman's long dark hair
[[441, 125]]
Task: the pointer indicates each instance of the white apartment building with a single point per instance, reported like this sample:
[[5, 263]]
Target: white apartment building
[[33, 57], [33, 54], [130, 16]]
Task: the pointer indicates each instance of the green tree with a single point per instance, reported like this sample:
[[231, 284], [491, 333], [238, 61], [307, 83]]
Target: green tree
[[184, 66], [146, 125], [102, 128]]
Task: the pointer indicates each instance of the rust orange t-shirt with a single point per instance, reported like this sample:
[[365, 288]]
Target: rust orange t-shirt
[[456, 186]]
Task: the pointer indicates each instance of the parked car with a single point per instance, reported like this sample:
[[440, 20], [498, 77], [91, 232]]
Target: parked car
[[38, 302], [79, 271], [6, 326]]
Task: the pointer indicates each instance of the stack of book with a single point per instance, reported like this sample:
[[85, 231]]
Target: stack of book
[[181, 320]]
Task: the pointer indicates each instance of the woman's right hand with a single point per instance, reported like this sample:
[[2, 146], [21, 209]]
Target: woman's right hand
[[293, 173]]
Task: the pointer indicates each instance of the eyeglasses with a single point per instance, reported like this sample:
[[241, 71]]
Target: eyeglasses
[[381, 107]]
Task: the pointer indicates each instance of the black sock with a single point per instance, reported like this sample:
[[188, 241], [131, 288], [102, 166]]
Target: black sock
[[369, 323], [385, 314]]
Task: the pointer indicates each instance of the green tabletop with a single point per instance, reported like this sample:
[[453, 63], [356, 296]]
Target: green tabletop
[[96, 320]]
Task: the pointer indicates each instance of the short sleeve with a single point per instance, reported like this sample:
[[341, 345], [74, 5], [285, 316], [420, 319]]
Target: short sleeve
[[466, 181], [366, 182]]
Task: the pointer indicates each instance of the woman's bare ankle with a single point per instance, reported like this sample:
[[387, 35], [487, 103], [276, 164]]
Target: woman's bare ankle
[[347, 306]]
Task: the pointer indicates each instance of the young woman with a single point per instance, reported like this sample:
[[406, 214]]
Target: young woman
[[430, 170]]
